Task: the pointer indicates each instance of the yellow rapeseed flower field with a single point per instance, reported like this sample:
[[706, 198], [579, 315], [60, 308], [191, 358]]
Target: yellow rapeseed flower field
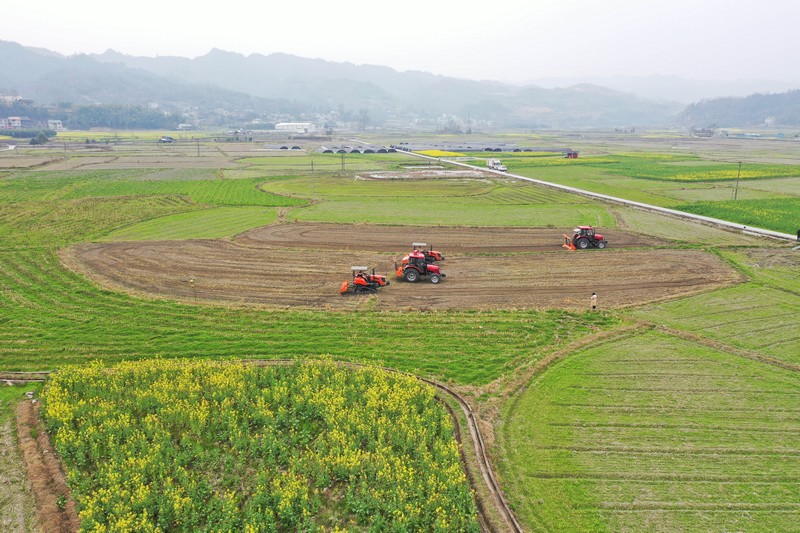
[[185, 445]]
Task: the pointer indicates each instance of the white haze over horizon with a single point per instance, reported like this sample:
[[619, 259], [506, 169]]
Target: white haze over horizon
[[513, 42]]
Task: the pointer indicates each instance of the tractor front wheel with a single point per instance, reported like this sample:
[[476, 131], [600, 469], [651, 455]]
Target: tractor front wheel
[[601, 244], [582, 244], [435, 278], [412, 275]]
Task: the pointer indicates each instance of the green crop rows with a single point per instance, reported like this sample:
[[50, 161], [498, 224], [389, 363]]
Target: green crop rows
[[204, 224], [779, 214], [652, 433], [687, 423]]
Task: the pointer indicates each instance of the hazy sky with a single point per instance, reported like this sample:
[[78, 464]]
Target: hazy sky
[[509, 40]]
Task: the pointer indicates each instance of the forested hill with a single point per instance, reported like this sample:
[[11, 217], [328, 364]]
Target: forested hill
[[290, 86], [781, 109]]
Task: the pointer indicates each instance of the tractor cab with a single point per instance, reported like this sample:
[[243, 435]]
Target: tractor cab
[[360, 276], [417, 259], [363, 281]]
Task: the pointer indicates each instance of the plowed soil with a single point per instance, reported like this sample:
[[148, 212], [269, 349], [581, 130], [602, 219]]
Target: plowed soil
[[304, 265], [448, 240]]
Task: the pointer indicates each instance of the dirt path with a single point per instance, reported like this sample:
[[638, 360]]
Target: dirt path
[[57, 511], [16, 508]]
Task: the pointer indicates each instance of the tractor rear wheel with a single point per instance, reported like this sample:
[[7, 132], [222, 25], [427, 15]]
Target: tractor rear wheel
[[435, 278], [412, 275], [582, 244]]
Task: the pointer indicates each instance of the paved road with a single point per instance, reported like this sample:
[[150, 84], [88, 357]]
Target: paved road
[[708, 220]]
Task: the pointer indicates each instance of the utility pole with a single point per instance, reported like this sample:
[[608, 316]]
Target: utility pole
[[739, 175]]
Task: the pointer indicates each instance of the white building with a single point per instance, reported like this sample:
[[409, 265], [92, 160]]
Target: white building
[[296, 127], [55, 125]]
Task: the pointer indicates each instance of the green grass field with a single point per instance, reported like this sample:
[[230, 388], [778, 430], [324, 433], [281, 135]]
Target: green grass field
[[768, 195], [214, 223], [456, 202], [644, 432], [654, 433], [779, 214]]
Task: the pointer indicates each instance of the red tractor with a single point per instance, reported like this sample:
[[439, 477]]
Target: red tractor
[[415, 266], [363, 282], [431, 255], [584, 237]]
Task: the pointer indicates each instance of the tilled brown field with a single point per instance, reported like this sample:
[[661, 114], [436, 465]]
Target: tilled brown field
[[449, 240], [289, 266]]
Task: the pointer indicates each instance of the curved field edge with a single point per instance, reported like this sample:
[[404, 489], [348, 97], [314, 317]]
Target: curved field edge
[[53, 317], [213, 223], [653, 432], [188, 444], [758, 318]]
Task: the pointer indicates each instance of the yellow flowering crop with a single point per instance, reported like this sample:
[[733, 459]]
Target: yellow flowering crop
[[185, 445]]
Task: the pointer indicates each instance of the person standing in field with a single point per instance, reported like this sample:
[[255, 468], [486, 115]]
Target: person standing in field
[[593, 301]]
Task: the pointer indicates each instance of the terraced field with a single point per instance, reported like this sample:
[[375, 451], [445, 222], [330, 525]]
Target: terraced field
[[672, 409], [655, 433]]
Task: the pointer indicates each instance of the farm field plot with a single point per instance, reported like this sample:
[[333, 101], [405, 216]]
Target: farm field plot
[[150, 161], [777, 268], [52, 317], [682, 231], [226, 272], [654, 433], [211, 223], [778, 214], [474, 240], [455, 197], [759, 318], [17, 506], [671, 409], [197, 446]]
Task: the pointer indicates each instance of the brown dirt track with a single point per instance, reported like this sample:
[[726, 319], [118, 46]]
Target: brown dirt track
[[302, 265]]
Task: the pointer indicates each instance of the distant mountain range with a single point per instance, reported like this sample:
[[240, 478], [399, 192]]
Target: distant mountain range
[[782, 109], [675, 88], [227, 84]]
